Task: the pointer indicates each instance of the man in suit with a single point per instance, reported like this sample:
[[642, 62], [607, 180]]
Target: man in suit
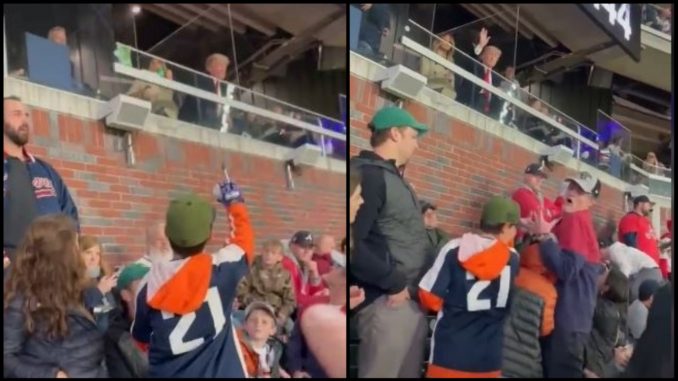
[[481, 99], [201, 111]]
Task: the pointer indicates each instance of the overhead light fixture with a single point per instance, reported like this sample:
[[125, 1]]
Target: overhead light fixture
[[136, 9]]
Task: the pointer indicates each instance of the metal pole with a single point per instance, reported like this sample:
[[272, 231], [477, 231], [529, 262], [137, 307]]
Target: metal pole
[[136, 44], [515, 46], [433, 23], [578, 143], [235, 55], [4, 47], [189, 22]]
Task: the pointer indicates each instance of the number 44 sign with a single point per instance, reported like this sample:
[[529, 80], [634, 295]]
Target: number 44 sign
[[618, 16], [620, 21]]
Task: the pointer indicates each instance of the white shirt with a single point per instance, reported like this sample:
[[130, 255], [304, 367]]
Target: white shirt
[[265, 354], [630, 260]]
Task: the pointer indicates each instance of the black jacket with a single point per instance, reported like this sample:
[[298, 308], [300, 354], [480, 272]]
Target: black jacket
[[522, 354], [200, 111], [123, 358], [374, 21], [652, 355], [378, 264], [477, 100], [80, 354]]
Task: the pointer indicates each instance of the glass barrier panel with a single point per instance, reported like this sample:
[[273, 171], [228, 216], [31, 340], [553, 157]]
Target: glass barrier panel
[[506, 102], [661, 186], [152, 83], [658, 17], [615, 145]]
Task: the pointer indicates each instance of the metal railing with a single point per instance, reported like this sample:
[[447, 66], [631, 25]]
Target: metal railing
[[220, 104], [518, 108], [658, 18], [508, 103]]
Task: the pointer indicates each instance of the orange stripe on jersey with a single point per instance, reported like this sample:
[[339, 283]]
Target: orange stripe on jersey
[[435, 371], [430, 301], [185, 292], [242, 233], [489, 263]]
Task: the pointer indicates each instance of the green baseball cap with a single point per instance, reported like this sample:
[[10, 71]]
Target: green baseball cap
[[130, 273], [389, 117], [501, 210], [189, 221]]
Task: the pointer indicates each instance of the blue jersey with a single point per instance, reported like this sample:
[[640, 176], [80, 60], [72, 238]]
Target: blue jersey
[[183, 312], [473, 303]]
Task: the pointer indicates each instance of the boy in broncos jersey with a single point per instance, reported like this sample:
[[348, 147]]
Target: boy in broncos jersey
[[469, 286], [184, 306]]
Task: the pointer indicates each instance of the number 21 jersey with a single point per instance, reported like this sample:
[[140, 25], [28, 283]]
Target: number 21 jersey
[[469, 285], [183, 309]]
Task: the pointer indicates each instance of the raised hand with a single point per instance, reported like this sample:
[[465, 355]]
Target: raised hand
[[228, 193], [538, 224], [107, 283], [483, 38]]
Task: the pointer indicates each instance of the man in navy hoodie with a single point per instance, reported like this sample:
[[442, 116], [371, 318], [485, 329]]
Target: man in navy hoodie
[[31, 187], [569, 249]]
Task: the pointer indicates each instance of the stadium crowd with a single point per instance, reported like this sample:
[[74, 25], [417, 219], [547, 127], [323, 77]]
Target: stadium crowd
[[178, 311], [536, 291]]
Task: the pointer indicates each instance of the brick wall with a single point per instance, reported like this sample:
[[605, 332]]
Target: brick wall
[[458, 167], [117, 202]]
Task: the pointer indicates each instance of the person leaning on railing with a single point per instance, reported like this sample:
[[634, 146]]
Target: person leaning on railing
[[161, 98], [440, 78], [653, 166], [657, 17]]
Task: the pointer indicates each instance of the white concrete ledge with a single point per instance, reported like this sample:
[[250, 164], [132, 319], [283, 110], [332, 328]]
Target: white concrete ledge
[[368, 70], [86, 108]]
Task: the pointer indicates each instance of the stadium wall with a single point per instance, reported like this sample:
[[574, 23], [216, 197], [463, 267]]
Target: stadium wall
[[117, 201], [466, 158]]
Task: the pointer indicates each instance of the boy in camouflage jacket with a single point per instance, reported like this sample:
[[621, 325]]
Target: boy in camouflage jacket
[[269, 282]]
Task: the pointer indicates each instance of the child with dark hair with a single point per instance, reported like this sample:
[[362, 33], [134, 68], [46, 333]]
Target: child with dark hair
[[606, 353], [184, 306], [470, 285]]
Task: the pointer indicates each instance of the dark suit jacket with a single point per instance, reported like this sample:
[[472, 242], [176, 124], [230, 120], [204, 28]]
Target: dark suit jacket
[[200, 111], [477, 100]]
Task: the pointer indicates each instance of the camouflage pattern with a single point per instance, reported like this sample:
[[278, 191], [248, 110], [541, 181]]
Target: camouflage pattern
[[273, 286]]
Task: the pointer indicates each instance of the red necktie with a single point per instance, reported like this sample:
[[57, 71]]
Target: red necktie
[[488, 80]]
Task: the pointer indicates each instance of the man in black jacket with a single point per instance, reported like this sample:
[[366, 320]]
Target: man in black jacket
[[375, 24], [482, 100], [391, 252], [203, 112], [653, 355]]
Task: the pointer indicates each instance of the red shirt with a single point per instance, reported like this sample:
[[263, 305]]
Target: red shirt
[[302, 290], [646, 240], [324, 262], [529, 203]]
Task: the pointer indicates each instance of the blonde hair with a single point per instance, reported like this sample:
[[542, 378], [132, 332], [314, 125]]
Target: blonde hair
[[441, 40], [214, 57], [274, 245]]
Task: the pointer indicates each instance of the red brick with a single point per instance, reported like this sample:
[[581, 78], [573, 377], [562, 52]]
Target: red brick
[[40, 123], [263, 179], [476, 163]]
